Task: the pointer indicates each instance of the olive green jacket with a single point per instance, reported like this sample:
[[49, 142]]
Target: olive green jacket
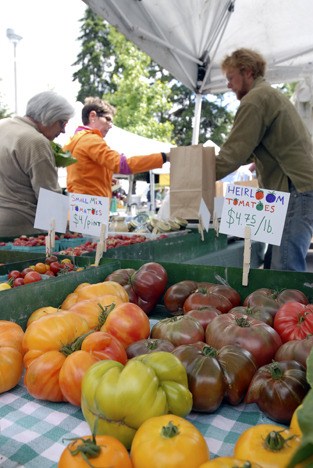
[[269, 131]]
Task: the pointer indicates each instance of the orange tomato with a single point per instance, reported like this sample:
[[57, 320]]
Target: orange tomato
[[41, 267], [99, 289], [11, 354], [128, 323], [93, 310], [42, 312], [104, 346], [108, 452]]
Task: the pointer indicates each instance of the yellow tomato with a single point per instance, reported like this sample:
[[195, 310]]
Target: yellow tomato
[[42, 312], [66, 260], [41, 267], [4, 286], [229, 462], [268, 444], [168, 441], [294, 423]]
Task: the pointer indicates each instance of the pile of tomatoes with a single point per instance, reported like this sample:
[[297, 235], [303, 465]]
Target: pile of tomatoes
[[37, 272]]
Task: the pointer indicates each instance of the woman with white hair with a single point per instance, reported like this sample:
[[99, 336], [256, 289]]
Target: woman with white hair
[[27, 160]]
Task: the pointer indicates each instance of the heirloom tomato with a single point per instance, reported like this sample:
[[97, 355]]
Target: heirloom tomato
[[297, 350], [203, 297], [204, 315], [216, 375], [94, 311], [96, 451], [225, 290], [42, 312], [294, 321], [179, 330], [47, 343], [117, 399], [176, 295], [268, 444], [148, 346], [90, 291], [149, 283], [254, 312], [11, 354], [278, 389], [257, 337], [128, 323], [292, 295], [103, 345], [168, 441], [262, 299]]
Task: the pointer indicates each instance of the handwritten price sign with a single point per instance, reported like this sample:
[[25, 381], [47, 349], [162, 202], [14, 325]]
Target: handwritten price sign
[[264, 211], [88, 213]]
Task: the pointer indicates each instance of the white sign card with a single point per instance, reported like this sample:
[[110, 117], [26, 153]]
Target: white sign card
[[218, 206], [88, 213], [264, 211], [204, 215], [51, 206]]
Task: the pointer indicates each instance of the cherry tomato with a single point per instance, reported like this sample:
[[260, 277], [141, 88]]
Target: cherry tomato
[[32, 277], [14, 274]]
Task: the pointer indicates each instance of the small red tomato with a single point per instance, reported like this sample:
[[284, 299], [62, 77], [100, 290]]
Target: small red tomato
[[25, 271], [32, 277], [55, 267], [14, 274], [18, 282]]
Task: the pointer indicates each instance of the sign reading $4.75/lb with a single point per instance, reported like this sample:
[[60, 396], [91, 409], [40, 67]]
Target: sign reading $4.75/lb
[[263, 211]]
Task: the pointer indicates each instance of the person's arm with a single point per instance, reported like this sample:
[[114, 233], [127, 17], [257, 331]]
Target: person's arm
[[43, 172], [246, 134]]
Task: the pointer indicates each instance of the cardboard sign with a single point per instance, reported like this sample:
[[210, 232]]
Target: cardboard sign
[[88, 213], [51, 206], [204, 215], [264, 211]]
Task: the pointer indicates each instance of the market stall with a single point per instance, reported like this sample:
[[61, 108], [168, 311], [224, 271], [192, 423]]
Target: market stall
[[34, 432]]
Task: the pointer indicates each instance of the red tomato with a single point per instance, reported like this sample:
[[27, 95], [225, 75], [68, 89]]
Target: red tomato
[[178, 330], [294, 321], [32, 277], [25, 271], [149, 281], [257, 337], [295, 350], [128, 323], [102, 345], [278, 389], [292, 295], [55, 267], [14, 274], [176, 295], [202, 297], [18, 282], [148, 346], [204, 315], [232, 295]]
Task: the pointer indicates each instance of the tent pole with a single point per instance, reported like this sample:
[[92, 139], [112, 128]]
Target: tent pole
[[196, 126]]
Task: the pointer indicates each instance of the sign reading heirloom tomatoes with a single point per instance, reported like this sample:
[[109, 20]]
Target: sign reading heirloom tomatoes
[[263, 211], [88, 213]]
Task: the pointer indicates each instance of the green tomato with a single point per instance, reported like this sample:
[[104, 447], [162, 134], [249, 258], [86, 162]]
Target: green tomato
[[117, 399]]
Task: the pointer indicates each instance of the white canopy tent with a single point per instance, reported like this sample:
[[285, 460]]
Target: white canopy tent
[[190, 38]]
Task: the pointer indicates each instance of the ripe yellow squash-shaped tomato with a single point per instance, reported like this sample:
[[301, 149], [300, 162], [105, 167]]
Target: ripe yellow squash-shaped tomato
[[95, 310], [42, 312], [168, 441], [96, 451], [99, 289], [268, 444], [11, 354]]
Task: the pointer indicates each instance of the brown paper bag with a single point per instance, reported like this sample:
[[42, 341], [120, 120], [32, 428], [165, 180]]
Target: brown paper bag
[[192, 177]]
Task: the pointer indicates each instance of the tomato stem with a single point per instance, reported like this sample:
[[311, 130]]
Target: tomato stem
[[275, 370], [209, 351], [75, 345], [88, 448], [275, 441], [170, 430], [104, 314], [242, 322]]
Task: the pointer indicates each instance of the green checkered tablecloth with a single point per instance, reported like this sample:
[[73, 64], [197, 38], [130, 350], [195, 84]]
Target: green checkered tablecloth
[[32, 431]]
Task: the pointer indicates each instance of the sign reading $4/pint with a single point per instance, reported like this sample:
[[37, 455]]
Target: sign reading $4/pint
[[264, 211]]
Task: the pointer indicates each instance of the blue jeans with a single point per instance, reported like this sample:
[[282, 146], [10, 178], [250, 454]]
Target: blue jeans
[[297, 233]]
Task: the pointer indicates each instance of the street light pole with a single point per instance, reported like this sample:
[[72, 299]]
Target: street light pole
[[15, 39]]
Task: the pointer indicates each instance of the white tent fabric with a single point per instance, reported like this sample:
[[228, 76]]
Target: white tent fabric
[[303, 101], [190, 38]]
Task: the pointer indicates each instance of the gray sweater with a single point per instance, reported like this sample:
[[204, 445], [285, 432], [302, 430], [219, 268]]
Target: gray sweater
[[26, 164]]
